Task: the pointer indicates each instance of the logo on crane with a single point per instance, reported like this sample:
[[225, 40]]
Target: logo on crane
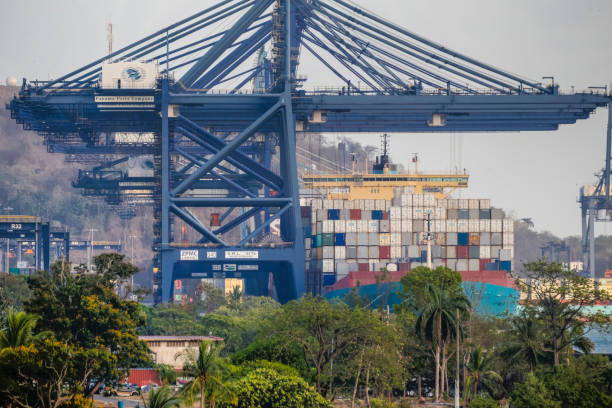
[[134, 74]]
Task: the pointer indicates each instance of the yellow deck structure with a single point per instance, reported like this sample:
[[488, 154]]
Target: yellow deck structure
[[381, 186]]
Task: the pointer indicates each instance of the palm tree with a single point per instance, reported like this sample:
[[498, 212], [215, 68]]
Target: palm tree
[[436, 322], [234, 298], [479, 369], [528, 342], [163, 398], [18, 330], [207, 370]]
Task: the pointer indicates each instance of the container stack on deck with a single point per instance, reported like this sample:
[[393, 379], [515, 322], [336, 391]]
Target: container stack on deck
[[344, 238]]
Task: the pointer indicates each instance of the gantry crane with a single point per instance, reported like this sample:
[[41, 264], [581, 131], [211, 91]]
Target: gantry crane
[[190, 85]]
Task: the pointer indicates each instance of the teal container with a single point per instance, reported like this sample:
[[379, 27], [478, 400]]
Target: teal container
[[327, 240], [318, 241]]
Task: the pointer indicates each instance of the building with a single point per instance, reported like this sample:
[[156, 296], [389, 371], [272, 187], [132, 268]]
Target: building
[[169, 349]]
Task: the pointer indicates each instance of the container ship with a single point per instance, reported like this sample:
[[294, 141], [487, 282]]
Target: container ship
[[366, 231]]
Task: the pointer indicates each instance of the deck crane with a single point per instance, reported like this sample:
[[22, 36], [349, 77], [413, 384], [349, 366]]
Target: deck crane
[[189, 84]]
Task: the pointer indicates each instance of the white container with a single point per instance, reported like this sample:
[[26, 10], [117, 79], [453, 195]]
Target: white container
[[443, 203], [339, 226], [328, 252], [429, 200], [328, 204], [351, 226], [506, 254], [451, 264], [384, 239], [321, 215], [418, 213], [406, 225], [407, 213], [462, 226], [395, 213], [417, 200], [340, 252], [406, 200], [439, 225], [319, 227], [396, 238], [373, 226], [473, 204], [380, 205], [463, 204], [452, 203], [474, 265], [384, 226], [328, 227], [462, 264], [508, 240], [451, 225], [496, 225], [328, 265], [473, 225], [439, 213], [485, 225], [368, 205], [485, 204], [362, 225], [485, 252], [396, 225], [396, 252], [508, 225]]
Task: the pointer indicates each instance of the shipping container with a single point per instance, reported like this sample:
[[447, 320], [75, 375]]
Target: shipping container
[[355, 214], [451, 238], [351, 238], [452, 214], [363, 238], [413, 251], [485, 252], [407, 213], [340, 239], [463, 214], [474, 238], [440, 213], [384, 251], [418, 213], [473, 214], [328, 265], [452, 203], [384, 226], [508, 239], [373, 226], [485, 203], [396, 225], [495, 251], [485, 238], [384, 239], [462, 265], [474, 252], [340, 252], [485, 225], [485, 214], [395, 238], [417, 200], [462, 225], [508, 225], [474, 265], [363, 252], [406, 238], [440, 238], [451, 264], [451, 251], [396, 252], [327, 239], [362, 226], [351, 226], [340, 226], [328, 252], [496, 225], [473, 225], [321, 215], [406, 225], [451, 225], [463, 204], [373, 252], [373, 238], [505, 254], [463, 251], [328, 227], [463, 238], [496, 214], [418, 225], [351, 252], [496, 238], [345, 215]]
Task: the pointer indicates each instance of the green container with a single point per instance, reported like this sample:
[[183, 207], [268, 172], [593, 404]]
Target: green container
[[327, 240], [318, 241], [14, 271]]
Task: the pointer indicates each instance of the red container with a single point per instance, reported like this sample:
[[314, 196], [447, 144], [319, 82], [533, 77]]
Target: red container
[[462, 252], [384, 252], [364, 267], [143, 376], [305, 211], [404, 266], [385, 215], [355, 214], [483, 264]]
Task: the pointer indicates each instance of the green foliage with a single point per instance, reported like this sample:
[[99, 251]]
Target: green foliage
[[414, 284], [280, 368], [18, 329], [84, 311], [162, 398], [13, 291], [171, 320], [532, 394], [573, 389], [480, 371], [482, 401], [381, 403], [267, 388], [167, 373]]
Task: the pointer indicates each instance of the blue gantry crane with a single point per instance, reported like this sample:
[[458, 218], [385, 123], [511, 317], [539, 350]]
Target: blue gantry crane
[[196, 95]]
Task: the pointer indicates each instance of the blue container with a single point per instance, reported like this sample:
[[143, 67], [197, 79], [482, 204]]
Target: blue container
[[340, 239], [492, 266], [329, 279], [377, 215], [463, 238], [307, 231], [463, 215], [119, 404], [333, 214], [505, 265], [423, 256]]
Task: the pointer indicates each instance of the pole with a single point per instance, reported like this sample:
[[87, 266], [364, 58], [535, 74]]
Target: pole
[[429, 265], [91, 231], [457, 357]]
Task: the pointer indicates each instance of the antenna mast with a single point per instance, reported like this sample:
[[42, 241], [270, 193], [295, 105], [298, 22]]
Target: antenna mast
[[109, 38]]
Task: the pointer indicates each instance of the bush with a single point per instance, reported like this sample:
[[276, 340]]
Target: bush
[[532, 394], [265, 387], [574, 389], [482, 401], [381, 403]]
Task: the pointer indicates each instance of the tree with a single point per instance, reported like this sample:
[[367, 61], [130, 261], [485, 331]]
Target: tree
[[206, 368], [323, 330], [559, 299], [234, 298], [13, 291], [480, 372], [167, 373], [18, 330], [437, 320], [527, 340], [162, 398], [414, 285], [83, 310], [265, 387]]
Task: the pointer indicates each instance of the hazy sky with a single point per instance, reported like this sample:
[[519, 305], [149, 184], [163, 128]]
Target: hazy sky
[[531, 174]]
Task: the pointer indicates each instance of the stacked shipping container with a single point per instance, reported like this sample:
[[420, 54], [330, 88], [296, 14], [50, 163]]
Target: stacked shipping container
[[342, 236]]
